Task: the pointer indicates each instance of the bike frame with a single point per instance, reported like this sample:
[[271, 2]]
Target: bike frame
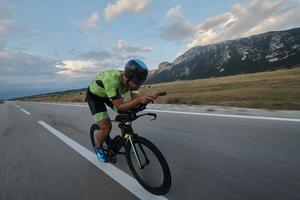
[[128, 135]]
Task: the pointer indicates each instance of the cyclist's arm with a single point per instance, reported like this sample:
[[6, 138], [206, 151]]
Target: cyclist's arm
[[133, 95], [121, 107], [141, 99]]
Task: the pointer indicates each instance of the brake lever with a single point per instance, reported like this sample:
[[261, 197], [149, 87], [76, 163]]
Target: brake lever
[[152, 114]]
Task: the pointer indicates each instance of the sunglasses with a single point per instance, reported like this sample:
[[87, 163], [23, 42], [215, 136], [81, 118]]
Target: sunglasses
[[136, 81]]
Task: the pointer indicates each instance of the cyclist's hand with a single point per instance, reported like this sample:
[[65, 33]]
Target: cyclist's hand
[[151, 95], [147, 98]]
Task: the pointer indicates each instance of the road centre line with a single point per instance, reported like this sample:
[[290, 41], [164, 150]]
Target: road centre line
[[118, 175], [25, 111], [203, 114]]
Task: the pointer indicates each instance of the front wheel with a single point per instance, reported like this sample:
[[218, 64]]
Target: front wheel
[[148, 165]]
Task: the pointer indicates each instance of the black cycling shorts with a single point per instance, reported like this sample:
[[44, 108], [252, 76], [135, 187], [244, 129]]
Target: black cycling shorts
[[97, 105]]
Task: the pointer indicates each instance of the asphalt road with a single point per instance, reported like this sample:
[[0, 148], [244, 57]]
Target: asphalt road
[[211, 157]]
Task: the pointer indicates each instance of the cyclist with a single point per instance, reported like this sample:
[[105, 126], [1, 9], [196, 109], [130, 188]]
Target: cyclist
[[107, 88]]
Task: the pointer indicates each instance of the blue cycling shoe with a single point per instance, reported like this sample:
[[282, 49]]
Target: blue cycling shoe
[[100, 154]]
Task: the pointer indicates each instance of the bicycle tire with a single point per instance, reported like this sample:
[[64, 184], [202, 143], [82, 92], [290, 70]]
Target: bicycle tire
[[93, 128], [166, 183]]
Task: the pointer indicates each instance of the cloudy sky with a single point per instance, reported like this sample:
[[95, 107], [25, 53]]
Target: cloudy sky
[[55, 45]]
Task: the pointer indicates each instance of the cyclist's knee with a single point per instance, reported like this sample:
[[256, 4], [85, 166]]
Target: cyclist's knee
[[106, 130]]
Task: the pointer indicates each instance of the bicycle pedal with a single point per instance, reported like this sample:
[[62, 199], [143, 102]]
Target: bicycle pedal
[[112, 159]]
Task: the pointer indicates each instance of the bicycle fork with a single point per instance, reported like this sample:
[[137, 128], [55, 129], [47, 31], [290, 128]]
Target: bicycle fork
[[141, 166]]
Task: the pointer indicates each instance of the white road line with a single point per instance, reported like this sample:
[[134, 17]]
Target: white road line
[[17, 106], [25, 111], [231, 116], [121, 177]]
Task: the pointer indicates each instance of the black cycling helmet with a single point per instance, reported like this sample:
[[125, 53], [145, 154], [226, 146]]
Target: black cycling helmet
[[136, 71]]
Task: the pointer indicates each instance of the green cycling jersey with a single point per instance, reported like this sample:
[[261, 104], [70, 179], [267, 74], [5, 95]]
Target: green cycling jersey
[[108, 84]]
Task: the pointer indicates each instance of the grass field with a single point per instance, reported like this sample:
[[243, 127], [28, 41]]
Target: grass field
[[271, 90]]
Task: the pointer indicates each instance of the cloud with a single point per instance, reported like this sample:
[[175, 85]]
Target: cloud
[[97, 55], [24, 64], [216, 21], [120, 52], [126, 57], [123, 47], [81, 68], [6, 24], [177, 29], [9, 29], [256, 17], [92, 21], [89, 63], [113, 10], [174, 12], [23, 73]]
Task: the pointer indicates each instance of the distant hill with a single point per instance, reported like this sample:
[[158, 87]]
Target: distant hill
[[263, 52]]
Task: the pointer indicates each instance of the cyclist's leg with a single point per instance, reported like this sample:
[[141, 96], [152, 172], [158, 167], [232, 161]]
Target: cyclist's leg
[[104, 131], [98, 109]]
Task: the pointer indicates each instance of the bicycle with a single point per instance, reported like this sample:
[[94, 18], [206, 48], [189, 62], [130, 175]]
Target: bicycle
[[139, 152]]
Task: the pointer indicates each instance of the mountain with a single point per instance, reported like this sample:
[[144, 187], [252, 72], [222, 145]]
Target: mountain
[[267, 51]]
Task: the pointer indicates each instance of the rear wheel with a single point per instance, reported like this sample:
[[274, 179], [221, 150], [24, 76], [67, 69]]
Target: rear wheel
[[94, 128], [111, 157], [148, 166]]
